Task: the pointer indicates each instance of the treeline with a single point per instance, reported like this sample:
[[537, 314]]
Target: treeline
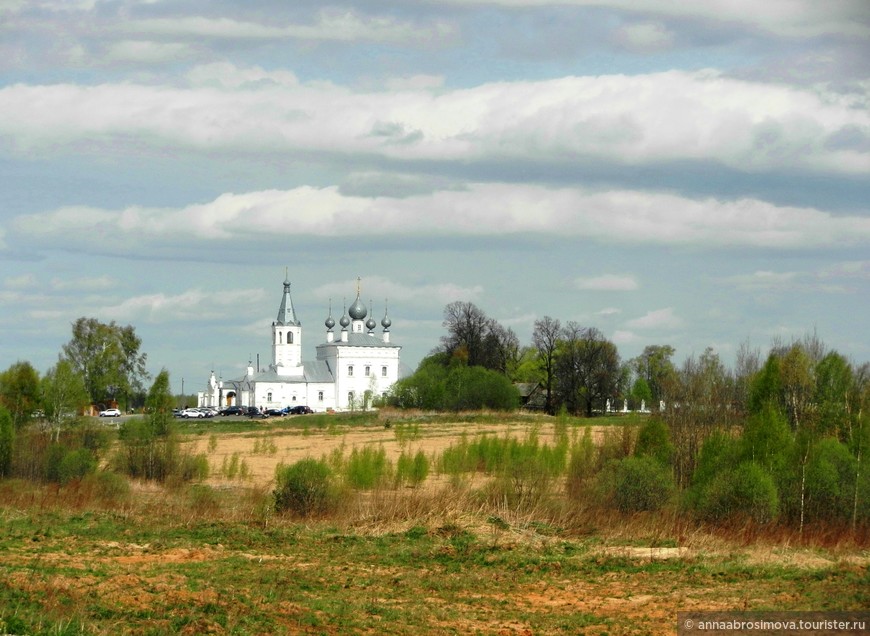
[[782, 438], [78, 449]]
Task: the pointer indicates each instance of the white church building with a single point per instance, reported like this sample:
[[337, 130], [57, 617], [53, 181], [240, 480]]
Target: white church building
[[350, 369]]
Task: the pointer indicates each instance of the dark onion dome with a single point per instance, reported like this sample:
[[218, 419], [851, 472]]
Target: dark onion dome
[[386, 322], [344, 322], [357, 310], [330, 323], [371, 324]]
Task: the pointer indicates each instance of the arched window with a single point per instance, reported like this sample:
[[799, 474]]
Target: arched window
[[279, 337], [289, 337]]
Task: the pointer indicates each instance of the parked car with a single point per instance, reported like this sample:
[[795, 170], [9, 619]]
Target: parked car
[[299, 410], [110, 413], [276, 412], [254, 413], [233, 410], [196, 413]]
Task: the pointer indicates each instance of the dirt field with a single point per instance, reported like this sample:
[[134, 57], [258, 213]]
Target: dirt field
[[193, 559], [293, 444]]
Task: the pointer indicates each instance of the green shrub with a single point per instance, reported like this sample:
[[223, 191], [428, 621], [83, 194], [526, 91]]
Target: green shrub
[[412, 469], [194, 467], [305, 488], [146, 453], [747, 491], [75, 465], [581, 465], [367, 468], [654, 440], [830, 481], [202, 498], [111, 487], [641, 483]]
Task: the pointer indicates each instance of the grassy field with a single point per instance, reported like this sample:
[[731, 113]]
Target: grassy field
[[442, 558]]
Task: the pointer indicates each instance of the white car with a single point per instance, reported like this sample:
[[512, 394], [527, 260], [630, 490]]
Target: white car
[[192, 413], [110, 413]]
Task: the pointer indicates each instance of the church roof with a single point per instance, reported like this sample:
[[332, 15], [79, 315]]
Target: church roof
[[360, 340], [286, 313], [313, 371]]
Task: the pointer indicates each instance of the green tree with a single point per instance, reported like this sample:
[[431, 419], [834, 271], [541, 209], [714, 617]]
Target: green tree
[[472, 388], [107, 357], [654, 365], [63, 392], [149, 446], [7, 441], [588, 369], [159, 404], [19, 392], [653, 440], [640, 392]]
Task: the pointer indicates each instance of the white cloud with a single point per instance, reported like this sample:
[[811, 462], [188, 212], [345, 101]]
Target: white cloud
[[658, 319], [626, 217], [380, 289], [191, 305], [24, 281], [763, 280], [98, 283], [670, 116], [229, 76], [624, 337], [791, 18], [644, 37], [329, 25], [608, 282], [848, 269], [609, 311], [145, 51]]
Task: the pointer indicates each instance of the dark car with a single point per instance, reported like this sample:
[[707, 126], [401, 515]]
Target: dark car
[[275, 412], [254, 412], [233, 410], [299, 410]]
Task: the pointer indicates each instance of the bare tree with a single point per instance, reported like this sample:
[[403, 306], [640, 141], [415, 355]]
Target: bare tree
[[545, 338], [479, 340]]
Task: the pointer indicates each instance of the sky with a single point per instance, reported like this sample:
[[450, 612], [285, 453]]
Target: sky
[[694, 174]]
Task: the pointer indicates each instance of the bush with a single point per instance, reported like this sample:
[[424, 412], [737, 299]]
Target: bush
[[75, 465], [194, 467], [412, 469], [581, 465], [457, 387], [654, 440], [641, 483], [747, 491], [305, 488], [830, 481], [203, 499], [145, 452], [111, 487], [367, 468]]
